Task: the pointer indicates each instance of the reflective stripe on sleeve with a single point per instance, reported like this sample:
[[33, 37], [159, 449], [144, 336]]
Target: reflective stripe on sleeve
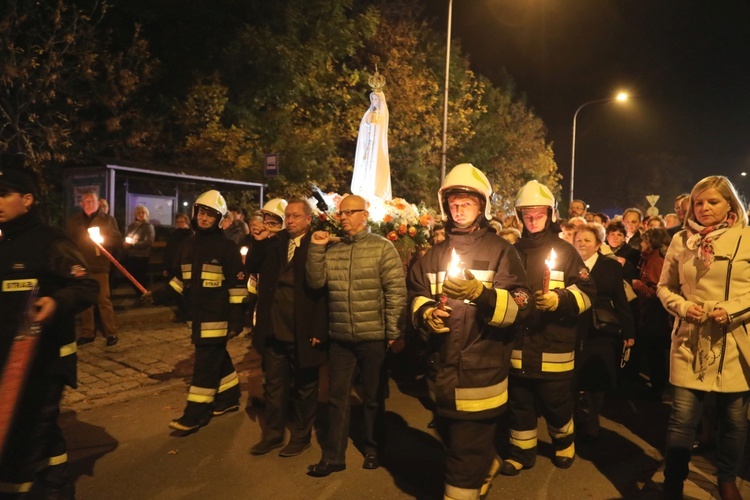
[[582, 300], [201, 394], [482, 398], [176, 285], [558, 361], [556, 279], [506, 309], [526, 440], [187, 271], [486, 277], [214, 329], [68, 349]]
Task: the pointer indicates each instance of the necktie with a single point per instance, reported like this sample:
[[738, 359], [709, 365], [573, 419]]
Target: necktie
[[290, 250]]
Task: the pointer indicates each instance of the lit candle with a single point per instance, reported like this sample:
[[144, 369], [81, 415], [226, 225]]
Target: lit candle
[[550, 263], [128, 240], [96, 237], [243, 251], [453, 271]]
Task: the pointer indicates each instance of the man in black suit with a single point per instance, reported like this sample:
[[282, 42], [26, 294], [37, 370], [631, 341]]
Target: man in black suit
[[291, 326], [632, 218]]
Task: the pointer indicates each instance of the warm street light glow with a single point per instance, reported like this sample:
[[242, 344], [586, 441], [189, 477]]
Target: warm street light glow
[[743, 174], [621, 97]]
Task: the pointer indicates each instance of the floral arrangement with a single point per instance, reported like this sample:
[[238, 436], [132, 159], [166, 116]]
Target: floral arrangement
[[407, 225]]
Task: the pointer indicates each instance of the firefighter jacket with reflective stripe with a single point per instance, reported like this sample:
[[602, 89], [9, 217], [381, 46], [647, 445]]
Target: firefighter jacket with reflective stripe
[[35, 255], [470, 364], [211, 277], [546, 349]]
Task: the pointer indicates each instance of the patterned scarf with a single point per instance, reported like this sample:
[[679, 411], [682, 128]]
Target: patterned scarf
[[701, 238]]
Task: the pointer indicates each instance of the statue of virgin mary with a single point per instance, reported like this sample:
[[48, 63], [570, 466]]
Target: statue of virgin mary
[[372, 170]]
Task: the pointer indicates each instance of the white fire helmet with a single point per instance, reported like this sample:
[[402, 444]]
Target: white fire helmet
[[466, 178], [214, 201], [534, 194], [276, 207]]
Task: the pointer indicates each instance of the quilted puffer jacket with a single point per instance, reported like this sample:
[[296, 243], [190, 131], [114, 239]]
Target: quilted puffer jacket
[[366, 287]]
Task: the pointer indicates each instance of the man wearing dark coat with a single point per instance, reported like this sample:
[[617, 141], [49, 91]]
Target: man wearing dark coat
[[291, 326]]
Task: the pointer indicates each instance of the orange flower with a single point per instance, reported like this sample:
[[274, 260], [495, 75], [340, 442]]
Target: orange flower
[[392, 236], [402, 229], [387, 218], [401, 205], [425, 220], [412, 231]]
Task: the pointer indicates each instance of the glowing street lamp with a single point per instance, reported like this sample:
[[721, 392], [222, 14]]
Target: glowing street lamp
[[621, 97]]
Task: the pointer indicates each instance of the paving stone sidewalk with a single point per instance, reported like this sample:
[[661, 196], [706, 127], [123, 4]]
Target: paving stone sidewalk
[[154, 352]]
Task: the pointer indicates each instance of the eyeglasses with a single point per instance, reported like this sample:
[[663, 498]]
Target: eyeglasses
[[349, 213], [294, 216]]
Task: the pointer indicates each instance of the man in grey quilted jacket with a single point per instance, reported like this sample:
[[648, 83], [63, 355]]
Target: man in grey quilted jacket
[[367, 311]]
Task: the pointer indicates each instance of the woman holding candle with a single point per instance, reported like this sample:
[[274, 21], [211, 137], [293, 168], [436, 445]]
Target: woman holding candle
[[139, 239], [543, 355], [704, 285], [471, 336]]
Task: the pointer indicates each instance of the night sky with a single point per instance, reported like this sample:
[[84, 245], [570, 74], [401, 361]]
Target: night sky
[[686, 63]]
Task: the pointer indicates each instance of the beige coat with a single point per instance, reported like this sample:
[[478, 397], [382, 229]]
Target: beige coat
[[707, 356]]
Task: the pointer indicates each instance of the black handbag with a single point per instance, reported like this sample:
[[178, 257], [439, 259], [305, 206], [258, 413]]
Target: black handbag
[[606, 321]]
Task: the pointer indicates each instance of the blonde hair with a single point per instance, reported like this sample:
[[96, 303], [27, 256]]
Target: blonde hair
[[726, 190], [144, 209]]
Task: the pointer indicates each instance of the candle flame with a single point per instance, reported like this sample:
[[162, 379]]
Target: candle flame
[[454, 268], [243, 251], [551, 260], [95, 235], [128, 239]]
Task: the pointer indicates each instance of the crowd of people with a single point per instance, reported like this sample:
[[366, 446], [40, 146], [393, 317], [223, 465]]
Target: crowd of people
[[527, 314]]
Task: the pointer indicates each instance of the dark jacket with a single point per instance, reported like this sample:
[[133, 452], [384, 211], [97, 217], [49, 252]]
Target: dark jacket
[[33, 254], [469, 368], [607, 275], [211, 278], [174, 240], [310, 309], [77, 230], [546, 350], [143, 234]]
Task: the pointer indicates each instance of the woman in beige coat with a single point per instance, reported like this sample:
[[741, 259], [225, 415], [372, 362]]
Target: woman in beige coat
[[704, 284]]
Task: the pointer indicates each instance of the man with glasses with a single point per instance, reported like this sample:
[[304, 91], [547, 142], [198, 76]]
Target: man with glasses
[[291, 326], [99, 265], [364, 277]]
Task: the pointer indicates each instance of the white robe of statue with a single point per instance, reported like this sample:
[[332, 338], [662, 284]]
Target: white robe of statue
[[372, 170]]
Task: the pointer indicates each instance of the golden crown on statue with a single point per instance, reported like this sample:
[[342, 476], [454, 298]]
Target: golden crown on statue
[[376, 81]]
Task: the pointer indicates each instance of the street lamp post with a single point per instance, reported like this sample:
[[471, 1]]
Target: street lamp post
[[621, 97], [445, 94]]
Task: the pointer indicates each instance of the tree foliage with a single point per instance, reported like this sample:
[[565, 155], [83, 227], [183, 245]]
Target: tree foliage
[[67, 86]]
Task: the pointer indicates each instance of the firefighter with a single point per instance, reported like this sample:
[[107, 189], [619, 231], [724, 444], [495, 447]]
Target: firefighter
[[36, 259], [211, 278], [543, 356], [471, 334]]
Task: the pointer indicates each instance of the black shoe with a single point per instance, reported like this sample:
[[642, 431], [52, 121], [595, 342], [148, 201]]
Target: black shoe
[[508, 469], [264, 446], [217, 412], [84, 340], [563, 462], [112, 340], [294, 449], [371, 461], [322, 469], [184, 429]]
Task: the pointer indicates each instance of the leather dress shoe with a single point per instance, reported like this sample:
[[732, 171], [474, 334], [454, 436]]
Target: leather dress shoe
[[322, 469], [371, 461], [294, 449], [266, 445], [84, 340], [563, 462], [112, 340]]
